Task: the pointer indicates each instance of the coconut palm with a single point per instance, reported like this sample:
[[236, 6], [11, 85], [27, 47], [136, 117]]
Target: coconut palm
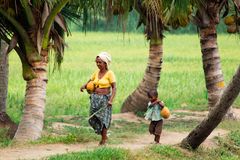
[[222, 102], [32, 28], [204, 129], [207, 19], [154, 27], [157, 16]]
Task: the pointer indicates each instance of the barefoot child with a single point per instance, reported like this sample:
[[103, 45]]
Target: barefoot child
[[153, 114]]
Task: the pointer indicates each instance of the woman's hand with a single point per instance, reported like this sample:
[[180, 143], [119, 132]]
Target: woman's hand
[[83, 87], [114, 88], [109, 103]]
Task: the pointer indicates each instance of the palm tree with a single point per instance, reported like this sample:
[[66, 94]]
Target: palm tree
[[33, 28], [204, 129], [208, 14], [207, 19], [138, 99], [157, 16]]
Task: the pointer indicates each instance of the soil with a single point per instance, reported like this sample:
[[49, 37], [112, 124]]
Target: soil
[[167, 138]]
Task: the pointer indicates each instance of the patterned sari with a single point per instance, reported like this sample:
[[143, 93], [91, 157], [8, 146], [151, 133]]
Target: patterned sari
[[99, 104]]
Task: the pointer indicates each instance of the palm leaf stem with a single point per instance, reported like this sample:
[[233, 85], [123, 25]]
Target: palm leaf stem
[[30, 50], [28, 73], [28, 12], [47, 26]]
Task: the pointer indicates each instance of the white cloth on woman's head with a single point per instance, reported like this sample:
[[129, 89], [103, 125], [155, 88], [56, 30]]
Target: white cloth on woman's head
[[106, 57]]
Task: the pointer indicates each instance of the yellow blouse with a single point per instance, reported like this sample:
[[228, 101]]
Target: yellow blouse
[[105, 81]]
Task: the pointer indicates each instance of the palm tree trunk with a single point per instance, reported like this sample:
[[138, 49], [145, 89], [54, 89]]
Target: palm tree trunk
[[3, 76], [5, 120], [138, 100], [31, 125], [204, 129], [212, 66]]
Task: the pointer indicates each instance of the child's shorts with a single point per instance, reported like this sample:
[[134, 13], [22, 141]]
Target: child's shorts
[[155, 127]]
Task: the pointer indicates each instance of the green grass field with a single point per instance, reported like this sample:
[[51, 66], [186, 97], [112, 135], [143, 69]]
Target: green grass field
[[181, 85]]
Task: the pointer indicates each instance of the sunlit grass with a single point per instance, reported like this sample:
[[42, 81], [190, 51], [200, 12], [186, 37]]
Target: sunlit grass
[[4, 139], [180, 126], [104, 153], [182, 79], [79, 131]]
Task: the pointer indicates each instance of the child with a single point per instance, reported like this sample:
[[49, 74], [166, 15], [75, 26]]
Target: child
[[153, 114]]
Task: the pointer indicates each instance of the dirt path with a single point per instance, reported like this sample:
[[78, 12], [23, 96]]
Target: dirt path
[[42, 151]]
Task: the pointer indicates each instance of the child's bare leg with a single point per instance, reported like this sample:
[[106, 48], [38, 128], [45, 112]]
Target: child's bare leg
[[157, 138], [158, 131]]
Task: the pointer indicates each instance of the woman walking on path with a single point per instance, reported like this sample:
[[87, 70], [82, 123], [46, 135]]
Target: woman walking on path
[[101, 96]]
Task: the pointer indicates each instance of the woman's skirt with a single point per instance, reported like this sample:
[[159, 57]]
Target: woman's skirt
[[99, 104]]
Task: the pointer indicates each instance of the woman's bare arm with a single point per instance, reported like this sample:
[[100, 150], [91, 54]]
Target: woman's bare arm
[[114, 89]]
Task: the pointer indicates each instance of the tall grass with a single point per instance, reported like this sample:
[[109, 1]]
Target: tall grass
[[181, 84]]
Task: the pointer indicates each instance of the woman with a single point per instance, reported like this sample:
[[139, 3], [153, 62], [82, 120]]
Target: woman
[[102, 97]]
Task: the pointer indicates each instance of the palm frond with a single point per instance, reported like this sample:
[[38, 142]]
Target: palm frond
[[72, 13], [231, 15], [177, 13], [4, 32], [58, 45], [154, 7], [209, 12], [237, 5]]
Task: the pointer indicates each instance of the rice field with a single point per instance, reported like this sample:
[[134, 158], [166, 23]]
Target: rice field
[[182, 83]]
